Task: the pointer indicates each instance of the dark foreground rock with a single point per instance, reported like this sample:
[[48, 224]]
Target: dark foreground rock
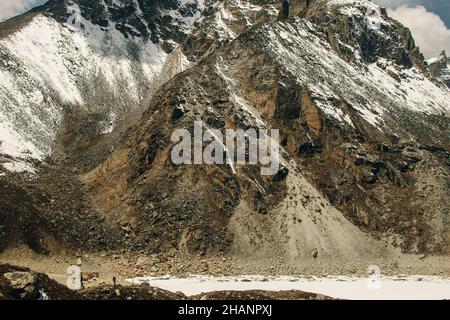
[[260, 295], [17, 283], [143, 292]]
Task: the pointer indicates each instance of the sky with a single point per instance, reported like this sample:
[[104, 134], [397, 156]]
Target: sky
[[429, 20], [11, 8]]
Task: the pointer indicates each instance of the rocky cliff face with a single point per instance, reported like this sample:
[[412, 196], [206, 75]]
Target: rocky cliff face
[[363, 128], [440, 67]]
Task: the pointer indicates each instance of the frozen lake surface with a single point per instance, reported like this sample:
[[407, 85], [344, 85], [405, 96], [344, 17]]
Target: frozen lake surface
[[389, 288]]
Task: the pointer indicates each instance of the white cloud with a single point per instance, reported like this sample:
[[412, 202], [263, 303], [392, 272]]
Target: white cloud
[[428, 29], [11, 8]]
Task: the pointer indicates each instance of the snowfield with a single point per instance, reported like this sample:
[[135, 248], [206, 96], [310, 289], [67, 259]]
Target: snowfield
[[48, 67], [384, 288]]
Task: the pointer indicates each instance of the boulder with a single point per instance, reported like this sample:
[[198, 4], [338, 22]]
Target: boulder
[[24, 284]]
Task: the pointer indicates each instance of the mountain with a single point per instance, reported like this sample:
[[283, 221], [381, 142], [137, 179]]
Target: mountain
[[440, 67], [93, 90], [95, 59]]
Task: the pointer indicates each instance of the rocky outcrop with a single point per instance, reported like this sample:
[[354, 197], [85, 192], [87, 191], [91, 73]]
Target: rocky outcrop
[[17, 283]]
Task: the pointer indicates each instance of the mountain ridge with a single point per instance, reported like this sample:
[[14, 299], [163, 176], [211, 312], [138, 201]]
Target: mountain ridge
[[363, 134]]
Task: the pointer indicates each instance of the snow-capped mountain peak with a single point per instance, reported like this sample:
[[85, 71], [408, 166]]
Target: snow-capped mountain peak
[[440, 67], [101, 86]]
